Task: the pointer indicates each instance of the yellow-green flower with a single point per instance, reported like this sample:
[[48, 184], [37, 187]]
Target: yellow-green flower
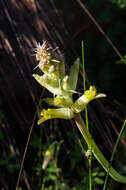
[[61, 86], [61, 113], [88, 96]]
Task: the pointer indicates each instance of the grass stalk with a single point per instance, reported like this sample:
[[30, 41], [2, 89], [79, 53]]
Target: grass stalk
[[84, 82], [113, 153], [86, 118]]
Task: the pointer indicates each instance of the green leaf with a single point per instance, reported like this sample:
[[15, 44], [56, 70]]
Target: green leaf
[[122, 61], [74, 74], [98, 180], [53, 170]]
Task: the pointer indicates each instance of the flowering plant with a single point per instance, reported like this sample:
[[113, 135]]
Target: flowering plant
[[62, 87]]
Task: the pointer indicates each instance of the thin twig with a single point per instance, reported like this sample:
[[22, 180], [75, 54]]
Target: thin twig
[[28, 140]]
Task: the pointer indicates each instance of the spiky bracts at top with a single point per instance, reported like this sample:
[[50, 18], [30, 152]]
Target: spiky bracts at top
[[61, 86]]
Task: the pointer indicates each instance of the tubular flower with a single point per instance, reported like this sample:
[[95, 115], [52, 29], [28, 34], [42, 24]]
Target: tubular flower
[[61, 86], [88, 96], [61, 113]]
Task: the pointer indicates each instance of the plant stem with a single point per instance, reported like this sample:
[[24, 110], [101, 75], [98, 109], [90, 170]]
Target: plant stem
[[90, 173], [84, 82], [97, 153], [86, 117]]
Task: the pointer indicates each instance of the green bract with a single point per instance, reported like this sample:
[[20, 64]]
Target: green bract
[[61, 86]]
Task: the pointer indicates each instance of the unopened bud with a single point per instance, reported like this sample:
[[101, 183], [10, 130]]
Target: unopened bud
[[52, 68], [66, 82]]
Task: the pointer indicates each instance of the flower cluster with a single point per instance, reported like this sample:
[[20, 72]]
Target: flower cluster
[[61, 86]]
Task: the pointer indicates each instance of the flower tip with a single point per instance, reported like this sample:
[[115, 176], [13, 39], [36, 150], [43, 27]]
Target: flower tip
[[101, 95]]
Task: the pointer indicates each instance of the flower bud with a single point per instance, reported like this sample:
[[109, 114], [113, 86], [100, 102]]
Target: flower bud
[[48, 156], [52, 69], [66, 82]]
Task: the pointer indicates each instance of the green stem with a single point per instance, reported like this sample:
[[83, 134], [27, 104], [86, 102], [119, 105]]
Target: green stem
[[113, 153], [90, 174], [86, 116], [97, 153]]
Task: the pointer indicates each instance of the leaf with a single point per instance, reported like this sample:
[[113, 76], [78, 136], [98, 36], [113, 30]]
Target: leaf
[[122, 61], [74, 74], [51, 177], [98, 180]]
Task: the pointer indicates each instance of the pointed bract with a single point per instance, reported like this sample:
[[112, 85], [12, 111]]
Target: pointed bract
[[74, 74]]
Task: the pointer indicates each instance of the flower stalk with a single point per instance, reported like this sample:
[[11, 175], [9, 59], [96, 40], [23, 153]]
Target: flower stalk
[[97, 153]]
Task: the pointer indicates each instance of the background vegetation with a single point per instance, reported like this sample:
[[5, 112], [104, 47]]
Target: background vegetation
[[64, 24]]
